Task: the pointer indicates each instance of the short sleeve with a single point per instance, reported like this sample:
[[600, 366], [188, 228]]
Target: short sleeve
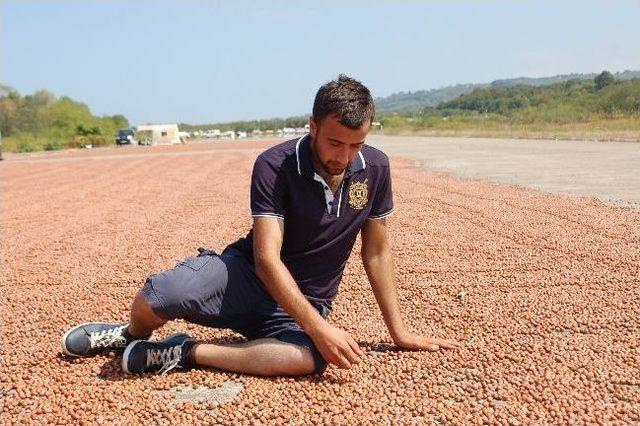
[[383, 198], [267, 190]]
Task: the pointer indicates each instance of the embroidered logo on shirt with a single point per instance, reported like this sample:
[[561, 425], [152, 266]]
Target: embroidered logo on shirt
[[358, 195]]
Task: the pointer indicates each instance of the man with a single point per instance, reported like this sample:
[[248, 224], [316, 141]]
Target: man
[[310, 197]]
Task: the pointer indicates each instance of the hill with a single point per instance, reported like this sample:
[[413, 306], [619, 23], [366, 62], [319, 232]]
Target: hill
[[602, 108], [573, 100], [415, 101]]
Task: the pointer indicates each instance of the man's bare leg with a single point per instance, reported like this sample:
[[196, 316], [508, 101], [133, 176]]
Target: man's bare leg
[[142, 319], [263, 357]]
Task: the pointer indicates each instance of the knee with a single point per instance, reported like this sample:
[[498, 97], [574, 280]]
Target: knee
[[141, 309], [159, 298], [304, 367], [308, 359], [300, 365]]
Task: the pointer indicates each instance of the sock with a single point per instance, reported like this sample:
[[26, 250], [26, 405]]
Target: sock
[[189, 354], [130, 337]]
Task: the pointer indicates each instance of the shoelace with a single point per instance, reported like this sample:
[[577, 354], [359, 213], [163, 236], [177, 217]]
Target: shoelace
[[109, 337], [169, 358]]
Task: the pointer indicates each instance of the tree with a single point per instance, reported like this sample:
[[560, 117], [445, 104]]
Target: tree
[[8, 92], [603, 79], [8, 112], [119, 121]]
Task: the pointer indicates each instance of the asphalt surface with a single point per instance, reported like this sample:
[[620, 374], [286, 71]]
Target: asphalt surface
[[609, 171]]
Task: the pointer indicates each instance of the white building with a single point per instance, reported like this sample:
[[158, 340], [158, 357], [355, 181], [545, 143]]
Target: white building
[[229, 134], [161, 134]]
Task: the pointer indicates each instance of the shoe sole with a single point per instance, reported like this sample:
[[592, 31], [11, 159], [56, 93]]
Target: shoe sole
[[125, 355], [129, 348], [63, 341]]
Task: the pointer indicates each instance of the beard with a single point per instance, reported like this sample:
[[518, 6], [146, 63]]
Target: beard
[[333, 171], [329, 167]]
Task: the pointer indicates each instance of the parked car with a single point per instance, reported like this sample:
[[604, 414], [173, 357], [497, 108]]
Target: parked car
[[126, 137]]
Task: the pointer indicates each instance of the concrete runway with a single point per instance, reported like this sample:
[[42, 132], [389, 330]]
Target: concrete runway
[[609, 171]]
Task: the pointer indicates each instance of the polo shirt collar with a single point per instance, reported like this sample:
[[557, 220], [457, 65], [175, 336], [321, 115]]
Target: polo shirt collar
[[305, 164]]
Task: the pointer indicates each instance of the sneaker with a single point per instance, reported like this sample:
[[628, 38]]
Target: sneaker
[[144, 356], [93, 338]]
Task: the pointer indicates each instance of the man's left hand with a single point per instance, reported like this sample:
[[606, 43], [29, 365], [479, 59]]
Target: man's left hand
[[416, 342]]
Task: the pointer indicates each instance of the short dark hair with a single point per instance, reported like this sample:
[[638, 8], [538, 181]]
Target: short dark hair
[[348, 99]]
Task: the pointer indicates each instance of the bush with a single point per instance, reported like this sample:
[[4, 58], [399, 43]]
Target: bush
[[25, 146], [621, 97], [52, 146], [93, 140], [32, 122], [603, 80]]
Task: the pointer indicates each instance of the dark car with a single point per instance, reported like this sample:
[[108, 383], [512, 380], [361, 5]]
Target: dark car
[[126, 137]]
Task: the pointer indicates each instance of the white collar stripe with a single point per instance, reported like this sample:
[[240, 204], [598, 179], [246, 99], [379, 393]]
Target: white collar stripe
[[364, 165], [298, 154], [340, 199]]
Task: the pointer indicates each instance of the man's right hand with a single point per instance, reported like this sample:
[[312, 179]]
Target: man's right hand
[[337, 346]]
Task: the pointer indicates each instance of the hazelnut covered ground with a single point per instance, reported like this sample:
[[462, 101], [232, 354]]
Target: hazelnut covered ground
[[541, 290]]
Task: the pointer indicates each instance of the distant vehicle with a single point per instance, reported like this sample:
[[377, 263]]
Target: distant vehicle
[[126, 137]]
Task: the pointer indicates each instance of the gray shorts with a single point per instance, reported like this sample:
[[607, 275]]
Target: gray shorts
[[223, 291]]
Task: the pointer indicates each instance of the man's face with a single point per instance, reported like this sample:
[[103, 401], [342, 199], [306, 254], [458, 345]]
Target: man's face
[[335, 145]]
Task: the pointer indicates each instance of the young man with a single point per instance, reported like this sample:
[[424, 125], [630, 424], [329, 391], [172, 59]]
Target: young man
[[310, 198]]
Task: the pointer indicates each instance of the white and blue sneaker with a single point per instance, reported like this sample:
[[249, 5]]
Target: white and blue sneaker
[[93, 338], [162, 356]]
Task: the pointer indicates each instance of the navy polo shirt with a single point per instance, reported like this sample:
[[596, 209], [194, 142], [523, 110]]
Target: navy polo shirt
[[320, 227]]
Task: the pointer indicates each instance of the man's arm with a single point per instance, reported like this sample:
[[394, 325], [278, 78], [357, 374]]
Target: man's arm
[[335, 345], [378, 262]]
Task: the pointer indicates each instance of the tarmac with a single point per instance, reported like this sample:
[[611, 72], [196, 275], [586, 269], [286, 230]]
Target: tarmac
[[609, 171]]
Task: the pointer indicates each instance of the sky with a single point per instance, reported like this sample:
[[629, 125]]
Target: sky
[[215, 61]]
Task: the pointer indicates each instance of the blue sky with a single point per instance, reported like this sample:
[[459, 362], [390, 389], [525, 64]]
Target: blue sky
[[212, 61]]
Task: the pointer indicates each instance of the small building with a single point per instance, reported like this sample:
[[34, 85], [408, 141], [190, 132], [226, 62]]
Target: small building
[[229, 134], [161, 134]]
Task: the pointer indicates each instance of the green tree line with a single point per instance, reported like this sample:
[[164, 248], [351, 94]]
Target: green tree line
[[415, 101], [573, 101], [249, 125], [565, 102], [43, 121]]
